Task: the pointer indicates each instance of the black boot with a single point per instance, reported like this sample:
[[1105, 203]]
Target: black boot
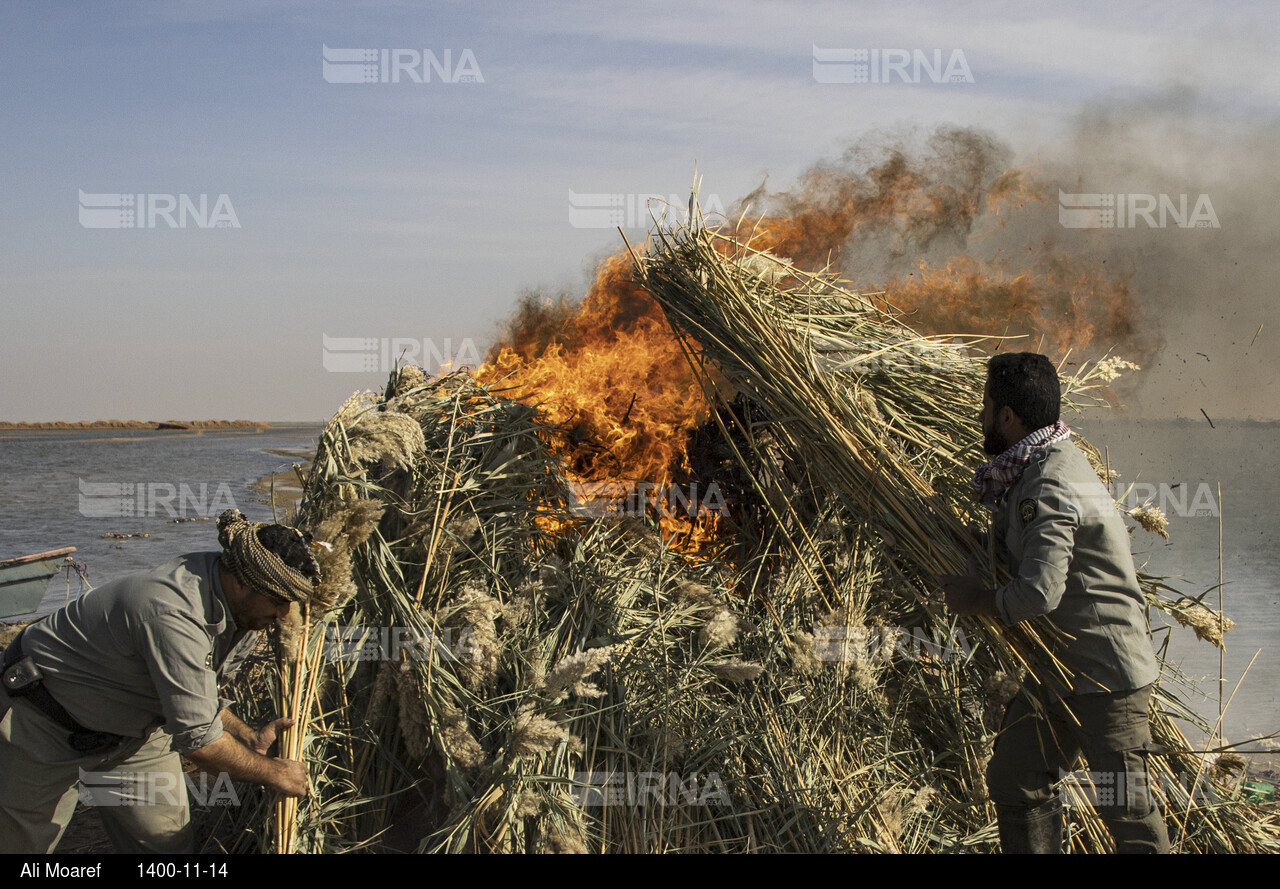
[[1035, 831]]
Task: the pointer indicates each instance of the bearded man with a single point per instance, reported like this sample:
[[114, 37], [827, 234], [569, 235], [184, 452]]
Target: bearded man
[[1067, 548]]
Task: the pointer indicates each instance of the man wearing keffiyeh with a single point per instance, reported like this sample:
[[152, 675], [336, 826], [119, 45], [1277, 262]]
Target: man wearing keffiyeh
[[1057, 529], [100, 698]]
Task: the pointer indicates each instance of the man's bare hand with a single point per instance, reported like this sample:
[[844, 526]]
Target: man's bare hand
[[967, 594], [291, 779], [230, 755], [265, 737]]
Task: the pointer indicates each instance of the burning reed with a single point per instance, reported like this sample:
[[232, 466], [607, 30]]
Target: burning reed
[[493, 671]]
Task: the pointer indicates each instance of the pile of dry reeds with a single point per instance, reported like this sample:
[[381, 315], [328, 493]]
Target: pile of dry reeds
[[885, 419], [488, 670]]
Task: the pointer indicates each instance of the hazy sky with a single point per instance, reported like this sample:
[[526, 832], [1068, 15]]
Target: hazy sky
[[419, 210]]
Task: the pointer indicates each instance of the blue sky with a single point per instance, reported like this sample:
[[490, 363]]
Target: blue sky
[[421, 210]]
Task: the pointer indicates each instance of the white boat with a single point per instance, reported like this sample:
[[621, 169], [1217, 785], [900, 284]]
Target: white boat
[[24, 580]]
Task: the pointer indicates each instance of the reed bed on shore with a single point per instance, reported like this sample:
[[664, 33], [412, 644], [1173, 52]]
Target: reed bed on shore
[[490, 668]]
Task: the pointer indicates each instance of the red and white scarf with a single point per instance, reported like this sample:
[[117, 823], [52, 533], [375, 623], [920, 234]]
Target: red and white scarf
[[994, 479]]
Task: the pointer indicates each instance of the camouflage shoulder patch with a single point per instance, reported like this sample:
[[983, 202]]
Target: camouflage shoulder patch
[[1027, 511]]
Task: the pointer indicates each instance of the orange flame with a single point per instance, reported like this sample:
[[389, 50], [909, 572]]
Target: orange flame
[[611, 372], [615, 378], [1062, 304]]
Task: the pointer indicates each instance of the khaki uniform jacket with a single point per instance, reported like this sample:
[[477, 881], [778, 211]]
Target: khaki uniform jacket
[[1068, 550], [145, 651]]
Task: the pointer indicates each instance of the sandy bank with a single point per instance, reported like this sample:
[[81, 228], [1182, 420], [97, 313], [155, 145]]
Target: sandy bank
[[27, 425]]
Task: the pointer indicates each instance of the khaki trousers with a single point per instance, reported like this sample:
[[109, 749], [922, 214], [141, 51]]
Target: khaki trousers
[[138, 787]]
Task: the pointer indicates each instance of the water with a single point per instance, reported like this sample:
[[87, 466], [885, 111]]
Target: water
[[1197, 458], [69, 488], [43, 505]]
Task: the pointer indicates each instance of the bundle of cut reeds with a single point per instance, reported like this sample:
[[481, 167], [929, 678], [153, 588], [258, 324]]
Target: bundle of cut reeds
[[886, 419]]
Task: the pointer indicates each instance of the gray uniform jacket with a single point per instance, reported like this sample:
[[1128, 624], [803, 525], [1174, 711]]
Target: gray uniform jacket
[[1068, 550], [145, 651]]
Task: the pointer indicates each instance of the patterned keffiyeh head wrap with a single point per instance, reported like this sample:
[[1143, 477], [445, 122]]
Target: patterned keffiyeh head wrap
[[994, 478], [260, 568]]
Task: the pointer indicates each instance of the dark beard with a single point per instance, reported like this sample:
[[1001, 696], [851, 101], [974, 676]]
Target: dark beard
[[993, 443]]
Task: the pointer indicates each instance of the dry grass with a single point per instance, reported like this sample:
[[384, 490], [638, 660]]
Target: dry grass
[[582, 688]]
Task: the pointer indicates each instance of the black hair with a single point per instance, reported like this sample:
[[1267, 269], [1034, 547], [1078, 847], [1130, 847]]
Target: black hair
[[1027, 383], [291, 547]]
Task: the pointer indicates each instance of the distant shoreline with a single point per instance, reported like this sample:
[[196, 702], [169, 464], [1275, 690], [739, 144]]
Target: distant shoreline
[[28, 426]]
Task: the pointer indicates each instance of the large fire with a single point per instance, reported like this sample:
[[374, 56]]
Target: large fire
[[614, 376], [611, 372]]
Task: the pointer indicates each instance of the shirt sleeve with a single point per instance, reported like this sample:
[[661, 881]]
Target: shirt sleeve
[[231, 666], [176, 650], [1048, 527]]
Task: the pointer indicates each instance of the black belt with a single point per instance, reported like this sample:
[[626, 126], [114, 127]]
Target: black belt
[[81, 739]]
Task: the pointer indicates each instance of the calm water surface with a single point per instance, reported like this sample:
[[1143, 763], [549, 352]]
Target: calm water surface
[[1185, 463], [65, 489]]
